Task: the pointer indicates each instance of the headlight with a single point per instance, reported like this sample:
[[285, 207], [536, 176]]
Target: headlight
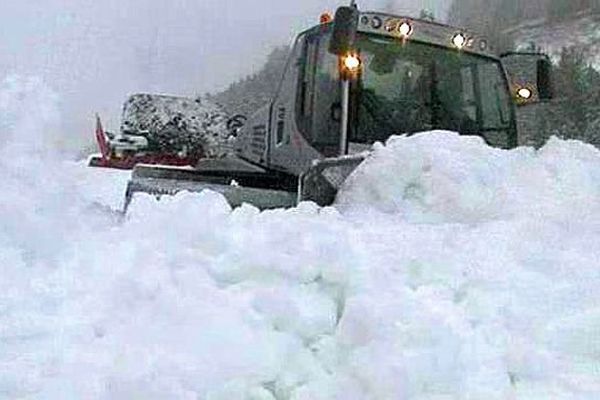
[[405, 29], [459, 40], [352, 62], [524, 93]]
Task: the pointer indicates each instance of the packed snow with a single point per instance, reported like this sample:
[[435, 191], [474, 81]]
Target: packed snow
[[446, 270]]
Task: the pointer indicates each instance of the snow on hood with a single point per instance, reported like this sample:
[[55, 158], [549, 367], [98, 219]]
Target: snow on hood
[[390, 295]]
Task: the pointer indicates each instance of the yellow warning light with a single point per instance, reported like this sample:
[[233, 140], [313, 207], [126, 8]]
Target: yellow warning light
[[325, 18], [459, 40], [352, 62]]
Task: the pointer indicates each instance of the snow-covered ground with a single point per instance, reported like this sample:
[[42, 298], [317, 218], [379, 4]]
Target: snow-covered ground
[[446, 270]]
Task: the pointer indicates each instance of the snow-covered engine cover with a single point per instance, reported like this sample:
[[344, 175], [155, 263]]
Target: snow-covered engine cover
[[176, 124]]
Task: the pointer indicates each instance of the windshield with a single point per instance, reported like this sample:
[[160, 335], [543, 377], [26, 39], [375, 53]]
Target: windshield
[[413, 87], [404, 87]]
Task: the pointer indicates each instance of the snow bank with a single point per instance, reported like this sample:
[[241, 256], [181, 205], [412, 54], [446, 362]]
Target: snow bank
[[443, 177], [438, 280]]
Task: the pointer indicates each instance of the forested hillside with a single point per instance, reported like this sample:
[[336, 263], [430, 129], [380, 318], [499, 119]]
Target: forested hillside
[[512, 12], [491, 17], [252, 92]]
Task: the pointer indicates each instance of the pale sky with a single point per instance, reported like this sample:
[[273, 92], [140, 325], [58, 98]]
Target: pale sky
[[94, 53]]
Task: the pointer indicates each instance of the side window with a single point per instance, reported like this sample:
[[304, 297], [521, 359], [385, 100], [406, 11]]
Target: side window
[[307, 78], [326, 99], [285, 98], [280, 126], [309, 75]]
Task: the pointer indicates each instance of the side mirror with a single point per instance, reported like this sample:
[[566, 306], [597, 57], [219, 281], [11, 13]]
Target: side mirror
[[345, 25], [530, 76], [544, 79]]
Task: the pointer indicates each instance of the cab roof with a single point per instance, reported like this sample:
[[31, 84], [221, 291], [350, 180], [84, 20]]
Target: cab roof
[[423, 31]]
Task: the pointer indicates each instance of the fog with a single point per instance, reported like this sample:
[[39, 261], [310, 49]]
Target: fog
[[94, 53]]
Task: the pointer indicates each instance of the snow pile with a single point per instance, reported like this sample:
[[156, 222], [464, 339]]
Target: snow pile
[[439, 280], [99, 187], [40, 223], [443, 177]]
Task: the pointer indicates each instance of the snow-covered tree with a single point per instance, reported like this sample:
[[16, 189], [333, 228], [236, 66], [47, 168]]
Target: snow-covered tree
[[501, 12], [578, 86], [574, 76], [561, 9]]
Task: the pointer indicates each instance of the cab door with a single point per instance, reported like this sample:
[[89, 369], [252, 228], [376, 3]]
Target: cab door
[[292, 110]]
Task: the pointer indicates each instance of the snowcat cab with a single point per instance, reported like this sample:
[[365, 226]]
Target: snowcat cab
[[347, 84]]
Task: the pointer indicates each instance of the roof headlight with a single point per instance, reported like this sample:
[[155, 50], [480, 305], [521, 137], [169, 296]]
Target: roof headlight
[[459, 40], [405, 29], [351, 62]]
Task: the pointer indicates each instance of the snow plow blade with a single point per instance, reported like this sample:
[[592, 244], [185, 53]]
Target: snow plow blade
[[245, 183], [256, 187], [324, 178]]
